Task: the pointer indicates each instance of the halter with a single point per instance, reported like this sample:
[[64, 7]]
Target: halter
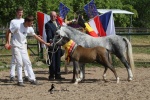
[[55, 43]]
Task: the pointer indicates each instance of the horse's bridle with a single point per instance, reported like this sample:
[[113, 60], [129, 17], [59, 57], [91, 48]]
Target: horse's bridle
[[54, 43], [58, 40]]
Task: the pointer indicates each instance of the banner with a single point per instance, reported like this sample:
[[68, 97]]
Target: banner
[[42, 19], [103, 25], [91, 9], [63, 10]]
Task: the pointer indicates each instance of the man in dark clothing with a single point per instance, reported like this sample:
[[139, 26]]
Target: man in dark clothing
[[55, 57]]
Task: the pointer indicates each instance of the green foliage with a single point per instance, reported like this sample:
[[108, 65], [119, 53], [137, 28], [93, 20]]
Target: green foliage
[[143, 9], [8, 8], [140, 18]]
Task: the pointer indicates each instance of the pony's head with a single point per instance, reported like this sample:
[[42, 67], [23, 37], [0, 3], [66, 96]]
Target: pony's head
[[61, 32], [61, 40]]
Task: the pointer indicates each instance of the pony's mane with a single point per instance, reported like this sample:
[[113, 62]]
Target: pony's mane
[[75, 31]]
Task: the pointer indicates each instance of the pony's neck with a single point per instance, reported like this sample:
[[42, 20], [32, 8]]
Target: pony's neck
[[73, 33]]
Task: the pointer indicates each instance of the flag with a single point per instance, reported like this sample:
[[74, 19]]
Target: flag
[[103, 25], [42, 19], [91, 9], [63, 10], [86, 26], [61, 21], [90, 30]]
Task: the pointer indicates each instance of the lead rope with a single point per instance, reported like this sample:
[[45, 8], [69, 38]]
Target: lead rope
[[49, 61]]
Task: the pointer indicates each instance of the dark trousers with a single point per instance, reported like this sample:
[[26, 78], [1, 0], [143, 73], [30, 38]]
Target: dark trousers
[[54, 68]]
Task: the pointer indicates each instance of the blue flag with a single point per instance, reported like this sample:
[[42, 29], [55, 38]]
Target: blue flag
[[63, 10], [91, 9]]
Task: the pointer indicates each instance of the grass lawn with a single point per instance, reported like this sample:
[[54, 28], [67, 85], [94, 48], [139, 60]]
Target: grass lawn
[[141, 45]]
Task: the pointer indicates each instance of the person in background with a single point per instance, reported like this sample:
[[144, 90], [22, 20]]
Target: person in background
[[55, 58], [17, 20], [73, 23]]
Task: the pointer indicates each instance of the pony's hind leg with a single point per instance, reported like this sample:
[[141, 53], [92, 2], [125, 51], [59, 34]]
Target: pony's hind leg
[[114, 71], [126, 64], [108, 65], [104, 74], [110, 61]]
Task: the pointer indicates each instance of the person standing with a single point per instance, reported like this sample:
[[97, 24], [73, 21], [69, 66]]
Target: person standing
[[17, 20], [20, 31], [55, 57]]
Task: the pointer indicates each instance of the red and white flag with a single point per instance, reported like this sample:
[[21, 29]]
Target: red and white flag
[[42, 19], [103, 25]]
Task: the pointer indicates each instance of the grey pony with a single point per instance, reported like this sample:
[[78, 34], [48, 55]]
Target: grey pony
[[116, 44]]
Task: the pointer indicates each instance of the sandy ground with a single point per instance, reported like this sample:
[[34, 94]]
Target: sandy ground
[[93, 88]]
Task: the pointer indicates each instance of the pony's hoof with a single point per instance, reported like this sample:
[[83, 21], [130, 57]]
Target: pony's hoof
[[118, 79], [66, 71], [75, 83], [82, 81], [73, 80], [106, 81], [129, 79]]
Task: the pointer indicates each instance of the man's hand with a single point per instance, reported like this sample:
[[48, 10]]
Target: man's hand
[[48, 44], [7, 46], [40, 36]]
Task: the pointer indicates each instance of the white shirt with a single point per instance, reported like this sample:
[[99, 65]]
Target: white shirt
[[55, 23], [16, 21], [19, 34]]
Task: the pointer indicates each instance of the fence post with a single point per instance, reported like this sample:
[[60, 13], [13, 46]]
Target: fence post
[[40, 51]]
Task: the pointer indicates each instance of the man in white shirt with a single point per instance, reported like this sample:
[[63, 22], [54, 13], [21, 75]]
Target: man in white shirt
[[21, 55], [17, 20]]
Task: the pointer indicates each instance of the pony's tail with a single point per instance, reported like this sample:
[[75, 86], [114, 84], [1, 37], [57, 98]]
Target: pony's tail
[[129, 54]]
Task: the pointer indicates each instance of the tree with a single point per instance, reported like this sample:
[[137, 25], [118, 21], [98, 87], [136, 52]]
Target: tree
[[121, 20], [140, 18], [8, 9], [143, 10]]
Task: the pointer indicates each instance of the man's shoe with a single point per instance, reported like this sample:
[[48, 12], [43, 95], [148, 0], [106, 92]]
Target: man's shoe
[[20, 84], [12, 79], [35, 83], [51, 78], [26, 79], [59, 78]]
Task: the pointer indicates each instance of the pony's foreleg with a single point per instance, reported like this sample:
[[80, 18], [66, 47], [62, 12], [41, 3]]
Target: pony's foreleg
[[79, 79], [66, 69], [75, 72], [82, 71]]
